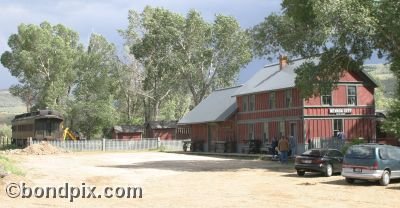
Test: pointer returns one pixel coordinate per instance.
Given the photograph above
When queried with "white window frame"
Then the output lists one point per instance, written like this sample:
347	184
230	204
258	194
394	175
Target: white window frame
272	100
245	103
252	102
282	128
265	132
348	96
288	98
326	95
333	126
250	131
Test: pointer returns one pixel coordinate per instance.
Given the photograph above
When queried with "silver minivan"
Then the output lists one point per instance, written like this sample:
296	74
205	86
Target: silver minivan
372	162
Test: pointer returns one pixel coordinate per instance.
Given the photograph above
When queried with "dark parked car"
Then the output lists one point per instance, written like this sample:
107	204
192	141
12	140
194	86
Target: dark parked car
373	162
327	161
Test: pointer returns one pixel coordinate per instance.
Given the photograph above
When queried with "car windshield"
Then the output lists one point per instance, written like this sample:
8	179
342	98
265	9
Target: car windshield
361	152
314	153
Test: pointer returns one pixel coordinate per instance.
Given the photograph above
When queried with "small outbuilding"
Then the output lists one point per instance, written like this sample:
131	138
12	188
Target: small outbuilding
131	132
165	130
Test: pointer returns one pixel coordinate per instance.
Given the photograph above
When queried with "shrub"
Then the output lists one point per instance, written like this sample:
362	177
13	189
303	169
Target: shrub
9	166
5	130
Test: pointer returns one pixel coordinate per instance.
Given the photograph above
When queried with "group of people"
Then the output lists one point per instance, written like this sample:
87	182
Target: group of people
284	147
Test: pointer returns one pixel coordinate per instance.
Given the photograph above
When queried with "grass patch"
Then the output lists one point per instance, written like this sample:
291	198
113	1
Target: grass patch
8	147
9	166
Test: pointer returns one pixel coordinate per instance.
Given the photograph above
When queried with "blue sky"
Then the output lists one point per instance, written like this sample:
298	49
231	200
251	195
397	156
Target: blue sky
106	16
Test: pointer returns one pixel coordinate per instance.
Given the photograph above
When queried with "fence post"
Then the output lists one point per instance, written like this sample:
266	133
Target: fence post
29	141
158	142
104	145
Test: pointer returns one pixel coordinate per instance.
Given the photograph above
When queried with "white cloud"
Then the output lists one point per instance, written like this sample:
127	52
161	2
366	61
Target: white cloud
106	16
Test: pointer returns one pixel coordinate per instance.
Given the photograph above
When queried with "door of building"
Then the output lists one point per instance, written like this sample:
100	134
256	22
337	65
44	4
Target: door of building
212	136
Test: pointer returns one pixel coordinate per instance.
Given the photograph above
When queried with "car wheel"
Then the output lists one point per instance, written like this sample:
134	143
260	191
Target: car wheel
328	170
350	180
385	180
301	172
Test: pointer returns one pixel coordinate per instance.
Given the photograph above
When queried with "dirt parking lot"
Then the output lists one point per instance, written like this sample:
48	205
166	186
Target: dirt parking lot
177	180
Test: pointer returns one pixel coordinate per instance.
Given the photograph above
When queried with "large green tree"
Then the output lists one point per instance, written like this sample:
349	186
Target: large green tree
185	52
210	56
342	33
92	109
43	58
129	76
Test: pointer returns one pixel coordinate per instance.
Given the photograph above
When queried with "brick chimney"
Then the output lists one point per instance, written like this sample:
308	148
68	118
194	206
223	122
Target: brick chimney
283	61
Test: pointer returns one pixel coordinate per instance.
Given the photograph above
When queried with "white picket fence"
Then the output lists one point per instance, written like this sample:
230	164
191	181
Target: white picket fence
118	145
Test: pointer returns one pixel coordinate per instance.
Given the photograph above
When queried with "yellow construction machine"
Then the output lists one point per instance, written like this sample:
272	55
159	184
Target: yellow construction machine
69	134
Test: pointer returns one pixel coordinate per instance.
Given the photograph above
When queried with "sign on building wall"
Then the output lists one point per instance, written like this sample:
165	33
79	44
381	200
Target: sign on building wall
340	111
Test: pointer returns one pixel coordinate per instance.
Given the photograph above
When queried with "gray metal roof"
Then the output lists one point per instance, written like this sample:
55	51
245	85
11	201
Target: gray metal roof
127	129
218	106
162	124
272	78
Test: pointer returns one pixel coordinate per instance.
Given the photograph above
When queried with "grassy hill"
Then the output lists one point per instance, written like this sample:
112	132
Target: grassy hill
388	84
9	107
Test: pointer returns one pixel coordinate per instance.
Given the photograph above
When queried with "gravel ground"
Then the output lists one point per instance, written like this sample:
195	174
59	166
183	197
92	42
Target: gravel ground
177	180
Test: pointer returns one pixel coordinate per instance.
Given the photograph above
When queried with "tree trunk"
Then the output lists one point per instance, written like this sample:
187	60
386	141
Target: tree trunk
156	109
129	108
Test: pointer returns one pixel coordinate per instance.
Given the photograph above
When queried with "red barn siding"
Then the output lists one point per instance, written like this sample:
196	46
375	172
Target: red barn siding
163	134
353	128
313	101
199	132
365	95
339	95
129	136
350	77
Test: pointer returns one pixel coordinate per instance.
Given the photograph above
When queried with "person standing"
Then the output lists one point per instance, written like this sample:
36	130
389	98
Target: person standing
283	147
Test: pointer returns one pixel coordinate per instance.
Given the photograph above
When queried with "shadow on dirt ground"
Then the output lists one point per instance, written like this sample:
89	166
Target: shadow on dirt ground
307	175
208	165
342	182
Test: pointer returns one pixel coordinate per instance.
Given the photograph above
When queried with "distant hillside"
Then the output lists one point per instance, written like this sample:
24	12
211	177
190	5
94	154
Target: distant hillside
10	106
387	84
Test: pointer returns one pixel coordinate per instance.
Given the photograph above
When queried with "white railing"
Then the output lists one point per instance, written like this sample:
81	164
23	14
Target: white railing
118	145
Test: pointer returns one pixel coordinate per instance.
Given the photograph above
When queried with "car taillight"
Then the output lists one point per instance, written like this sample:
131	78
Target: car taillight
374	166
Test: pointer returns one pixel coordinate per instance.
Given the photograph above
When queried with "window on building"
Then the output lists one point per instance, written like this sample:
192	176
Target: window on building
265	134
250	128
282	128
337	126
252	104
326	99
245	103
288	98
352	95
272	100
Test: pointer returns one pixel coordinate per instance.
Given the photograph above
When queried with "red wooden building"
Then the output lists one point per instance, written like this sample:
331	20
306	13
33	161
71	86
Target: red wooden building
213	120
165	130
269	105
131	132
